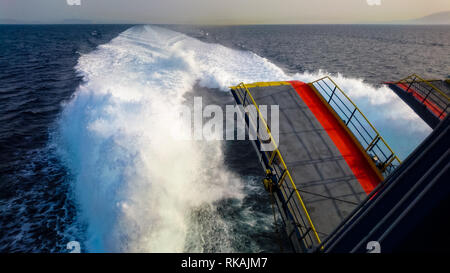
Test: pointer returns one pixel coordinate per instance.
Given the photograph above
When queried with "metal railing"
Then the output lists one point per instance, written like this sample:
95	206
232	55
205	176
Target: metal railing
370	139
428	94
292	202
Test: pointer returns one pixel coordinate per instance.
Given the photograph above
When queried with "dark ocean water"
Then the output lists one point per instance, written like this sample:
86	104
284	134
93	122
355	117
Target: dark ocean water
37	74
39	211
376	53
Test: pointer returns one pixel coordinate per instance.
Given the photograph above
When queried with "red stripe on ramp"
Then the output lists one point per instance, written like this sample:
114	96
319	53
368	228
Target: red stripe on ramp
431	106
352	152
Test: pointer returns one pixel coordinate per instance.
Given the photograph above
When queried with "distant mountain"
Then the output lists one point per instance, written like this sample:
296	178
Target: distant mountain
75	21
440	18
64	21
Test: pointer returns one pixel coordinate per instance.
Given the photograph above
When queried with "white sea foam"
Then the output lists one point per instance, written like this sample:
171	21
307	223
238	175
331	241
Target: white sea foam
135	185
392	117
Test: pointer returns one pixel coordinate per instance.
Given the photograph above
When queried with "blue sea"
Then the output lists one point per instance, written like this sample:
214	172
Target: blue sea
85	112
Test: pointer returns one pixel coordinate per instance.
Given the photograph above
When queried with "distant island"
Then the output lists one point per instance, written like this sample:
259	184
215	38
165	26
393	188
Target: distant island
440	18
24	22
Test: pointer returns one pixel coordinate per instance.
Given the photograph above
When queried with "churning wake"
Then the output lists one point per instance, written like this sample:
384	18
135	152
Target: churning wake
394	119
139	189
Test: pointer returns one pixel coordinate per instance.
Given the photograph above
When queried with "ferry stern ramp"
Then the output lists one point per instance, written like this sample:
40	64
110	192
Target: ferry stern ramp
328	158
429	98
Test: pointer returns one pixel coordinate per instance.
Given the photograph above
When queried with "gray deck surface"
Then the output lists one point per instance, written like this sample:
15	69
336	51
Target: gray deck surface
316	165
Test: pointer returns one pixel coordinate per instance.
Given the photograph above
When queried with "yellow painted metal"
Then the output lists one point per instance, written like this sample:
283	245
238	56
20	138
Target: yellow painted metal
417	78
360	112
263	84
371	143
272	157
282	178
387	164
294	187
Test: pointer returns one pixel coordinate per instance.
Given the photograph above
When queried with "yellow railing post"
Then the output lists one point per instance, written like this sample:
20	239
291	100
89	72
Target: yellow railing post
272	157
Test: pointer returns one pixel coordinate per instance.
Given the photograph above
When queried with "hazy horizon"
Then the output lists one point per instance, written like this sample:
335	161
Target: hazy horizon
210	12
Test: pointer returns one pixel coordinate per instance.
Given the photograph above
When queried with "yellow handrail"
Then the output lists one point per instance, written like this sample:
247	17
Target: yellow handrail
283	163
425	81
368	122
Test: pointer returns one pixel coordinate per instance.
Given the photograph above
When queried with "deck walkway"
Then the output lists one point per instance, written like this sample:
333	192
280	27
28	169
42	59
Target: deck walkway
324	161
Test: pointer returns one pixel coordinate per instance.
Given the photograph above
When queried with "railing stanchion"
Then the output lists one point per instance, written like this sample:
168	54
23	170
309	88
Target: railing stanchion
424	99
351	116
332	93
409	86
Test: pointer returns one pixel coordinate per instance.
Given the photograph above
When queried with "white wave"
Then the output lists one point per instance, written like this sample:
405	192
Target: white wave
402	128
137	186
